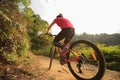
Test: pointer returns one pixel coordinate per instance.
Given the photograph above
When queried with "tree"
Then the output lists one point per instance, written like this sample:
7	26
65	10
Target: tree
108	39
14	41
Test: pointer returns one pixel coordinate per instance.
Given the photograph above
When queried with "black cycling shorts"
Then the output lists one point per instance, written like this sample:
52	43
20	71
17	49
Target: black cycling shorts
66	34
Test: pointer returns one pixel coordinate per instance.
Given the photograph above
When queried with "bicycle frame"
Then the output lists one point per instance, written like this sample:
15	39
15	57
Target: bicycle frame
75	53
64	54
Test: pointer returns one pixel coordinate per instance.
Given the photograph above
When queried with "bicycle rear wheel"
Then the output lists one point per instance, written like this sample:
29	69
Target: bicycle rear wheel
90	64
52	54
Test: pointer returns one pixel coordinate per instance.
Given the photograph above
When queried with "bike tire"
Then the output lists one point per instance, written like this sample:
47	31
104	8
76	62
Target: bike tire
101	70
52	54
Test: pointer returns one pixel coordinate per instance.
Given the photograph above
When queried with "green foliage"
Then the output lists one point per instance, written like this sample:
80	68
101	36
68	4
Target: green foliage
113	66
14	41
5	17
111	52
26	2
38	27
108	39
28	12
112	56
41	44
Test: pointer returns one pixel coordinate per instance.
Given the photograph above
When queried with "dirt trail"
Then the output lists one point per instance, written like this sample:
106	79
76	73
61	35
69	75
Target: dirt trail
59	72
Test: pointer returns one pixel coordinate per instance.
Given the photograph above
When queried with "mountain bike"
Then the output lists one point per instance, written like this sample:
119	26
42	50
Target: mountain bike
84	59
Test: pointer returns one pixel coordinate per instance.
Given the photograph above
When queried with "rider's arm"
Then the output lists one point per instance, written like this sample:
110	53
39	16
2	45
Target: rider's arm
50	26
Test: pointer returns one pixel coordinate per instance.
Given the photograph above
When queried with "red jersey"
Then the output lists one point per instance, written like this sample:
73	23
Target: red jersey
63	23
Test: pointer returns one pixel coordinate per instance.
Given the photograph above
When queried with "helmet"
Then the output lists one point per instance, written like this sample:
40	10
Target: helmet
60	15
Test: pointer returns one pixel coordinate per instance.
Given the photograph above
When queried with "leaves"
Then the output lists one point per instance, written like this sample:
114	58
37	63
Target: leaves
112	55
26	2
14	40
5	17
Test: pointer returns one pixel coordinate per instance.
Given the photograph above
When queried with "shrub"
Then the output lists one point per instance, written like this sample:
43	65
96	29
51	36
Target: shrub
113	66
112	56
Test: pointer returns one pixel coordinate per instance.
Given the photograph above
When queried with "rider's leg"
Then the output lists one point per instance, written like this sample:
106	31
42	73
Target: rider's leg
66	33
69	36
58	38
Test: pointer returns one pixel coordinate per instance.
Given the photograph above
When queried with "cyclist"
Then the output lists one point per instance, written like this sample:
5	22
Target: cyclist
66	33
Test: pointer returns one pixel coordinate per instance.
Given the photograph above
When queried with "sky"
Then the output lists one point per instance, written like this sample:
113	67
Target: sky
90	16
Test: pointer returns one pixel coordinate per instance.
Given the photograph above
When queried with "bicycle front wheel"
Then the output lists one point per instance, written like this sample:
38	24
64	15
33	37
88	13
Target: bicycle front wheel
90	63
52	54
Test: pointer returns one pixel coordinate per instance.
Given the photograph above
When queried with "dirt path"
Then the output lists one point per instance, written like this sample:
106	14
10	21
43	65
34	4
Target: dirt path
59	72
